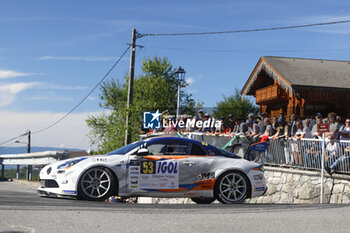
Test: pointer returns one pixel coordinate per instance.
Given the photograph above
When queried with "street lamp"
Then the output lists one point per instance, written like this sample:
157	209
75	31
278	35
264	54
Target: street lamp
30	167
180	76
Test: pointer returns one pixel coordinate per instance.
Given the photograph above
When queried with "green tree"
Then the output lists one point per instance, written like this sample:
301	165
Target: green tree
236	105
154	89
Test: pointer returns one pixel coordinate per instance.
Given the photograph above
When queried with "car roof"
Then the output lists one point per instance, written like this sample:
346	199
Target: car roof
154	139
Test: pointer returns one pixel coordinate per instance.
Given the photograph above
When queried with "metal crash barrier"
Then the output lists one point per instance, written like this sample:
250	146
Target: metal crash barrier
30	159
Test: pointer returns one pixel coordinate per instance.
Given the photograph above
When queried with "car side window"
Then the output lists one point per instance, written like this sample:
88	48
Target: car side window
197	150
157	149
169	147
178	149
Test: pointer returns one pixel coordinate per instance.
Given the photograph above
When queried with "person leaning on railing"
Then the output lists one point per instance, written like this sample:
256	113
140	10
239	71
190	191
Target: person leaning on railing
253	130
261	123
224	130
314	154
302	132
332	154
293	125
231	123
282	129
341	160
345	133
333	160
319	120
333	126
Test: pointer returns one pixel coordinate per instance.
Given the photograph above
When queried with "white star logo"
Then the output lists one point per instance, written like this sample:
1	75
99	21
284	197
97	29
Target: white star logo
155	115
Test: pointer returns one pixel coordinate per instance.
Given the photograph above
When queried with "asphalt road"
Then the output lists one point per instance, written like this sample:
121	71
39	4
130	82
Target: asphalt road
22	211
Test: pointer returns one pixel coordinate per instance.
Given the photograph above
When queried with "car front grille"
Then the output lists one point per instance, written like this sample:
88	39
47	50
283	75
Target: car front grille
49	184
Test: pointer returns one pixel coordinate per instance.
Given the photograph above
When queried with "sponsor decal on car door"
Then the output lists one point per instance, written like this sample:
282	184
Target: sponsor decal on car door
153	174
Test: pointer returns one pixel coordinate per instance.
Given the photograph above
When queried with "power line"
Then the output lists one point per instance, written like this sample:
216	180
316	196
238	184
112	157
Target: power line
93	89
245	30
12	139
246	51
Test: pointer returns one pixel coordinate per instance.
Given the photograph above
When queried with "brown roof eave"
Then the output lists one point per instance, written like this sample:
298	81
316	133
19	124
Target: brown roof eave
250	77
283	82
318	87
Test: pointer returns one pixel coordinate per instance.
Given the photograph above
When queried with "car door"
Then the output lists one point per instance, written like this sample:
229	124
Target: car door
168	169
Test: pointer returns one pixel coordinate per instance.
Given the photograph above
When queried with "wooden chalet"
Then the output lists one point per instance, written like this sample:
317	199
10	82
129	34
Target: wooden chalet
302	86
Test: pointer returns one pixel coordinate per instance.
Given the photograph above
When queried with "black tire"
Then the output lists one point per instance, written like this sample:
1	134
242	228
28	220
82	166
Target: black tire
96	184
232	187
203	200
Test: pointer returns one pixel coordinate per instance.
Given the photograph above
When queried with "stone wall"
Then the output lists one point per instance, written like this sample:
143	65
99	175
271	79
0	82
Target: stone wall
299	186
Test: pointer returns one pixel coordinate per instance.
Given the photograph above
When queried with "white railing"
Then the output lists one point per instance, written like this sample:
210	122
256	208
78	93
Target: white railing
307	153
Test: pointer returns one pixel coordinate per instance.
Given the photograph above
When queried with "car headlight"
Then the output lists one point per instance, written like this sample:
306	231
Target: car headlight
260	168
48	171
70	163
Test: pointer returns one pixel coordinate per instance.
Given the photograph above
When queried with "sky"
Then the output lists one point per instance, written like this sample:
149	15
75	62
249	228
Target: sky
52	53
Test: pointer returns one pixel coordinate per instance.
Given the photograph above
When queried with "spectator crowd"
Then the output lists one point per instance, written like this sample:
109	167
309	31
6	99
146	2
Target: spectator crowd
261	127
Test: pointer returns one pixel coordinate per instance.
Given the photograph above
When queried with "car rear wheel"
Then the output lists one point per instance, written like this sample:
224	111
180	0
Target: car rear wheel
203	200
96	184
231	187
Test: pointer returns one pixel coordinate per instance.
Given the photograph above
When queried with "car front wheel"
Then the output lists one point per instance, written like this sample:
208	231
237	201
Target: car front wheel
231	187
96	184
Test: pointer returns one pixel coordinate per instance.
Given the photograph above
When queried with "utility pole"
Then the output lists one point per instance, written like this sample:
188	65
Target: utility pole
30	167
130	86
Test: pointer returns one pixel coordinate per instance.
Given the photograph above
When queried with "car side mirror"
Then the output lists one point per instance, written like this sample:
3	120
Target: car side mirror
142	152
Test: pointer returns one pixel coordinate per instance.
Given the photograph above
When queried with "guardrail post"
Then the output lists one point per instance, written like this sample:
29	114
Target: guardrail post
17	172
29	172
2	170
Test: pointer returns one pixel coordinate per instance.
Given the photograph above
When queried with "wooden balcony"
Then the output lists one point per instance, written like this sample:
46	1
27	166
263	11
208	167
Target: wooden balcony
270	94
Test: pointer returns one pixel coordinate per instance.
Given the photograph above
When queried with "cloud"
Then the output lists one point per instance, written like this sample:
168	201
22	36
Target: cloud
193	79
190	80
15	88
6	74
9	92
78	58
92	98
71	132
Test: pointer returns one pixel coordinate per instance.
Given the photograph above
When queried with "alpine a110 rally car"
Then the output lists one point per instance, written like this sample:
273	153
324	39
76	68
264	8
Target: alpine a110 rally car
157	167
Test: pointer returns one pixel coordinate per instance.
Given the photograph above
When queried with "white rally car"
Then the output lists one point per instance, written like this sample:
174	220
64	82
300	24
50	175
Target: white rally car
157	167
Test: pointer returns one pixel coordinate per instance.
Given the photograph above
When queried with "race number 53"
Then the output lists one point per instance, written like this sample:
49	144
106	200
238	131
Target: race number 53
148	167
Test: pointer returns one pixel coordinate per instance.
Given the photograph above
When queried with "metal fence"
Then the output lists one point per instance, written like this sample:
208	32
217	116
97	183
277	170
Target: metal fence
307	153
303	153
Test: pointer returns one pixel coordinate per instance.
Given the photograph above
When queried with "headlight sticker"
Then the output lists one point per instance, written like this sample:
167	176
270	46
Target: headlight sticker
70	163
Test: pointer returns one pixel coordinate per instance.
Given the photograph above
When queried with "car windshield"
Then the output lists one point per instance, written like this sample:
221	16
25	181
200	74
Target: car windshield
126	149
228	154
